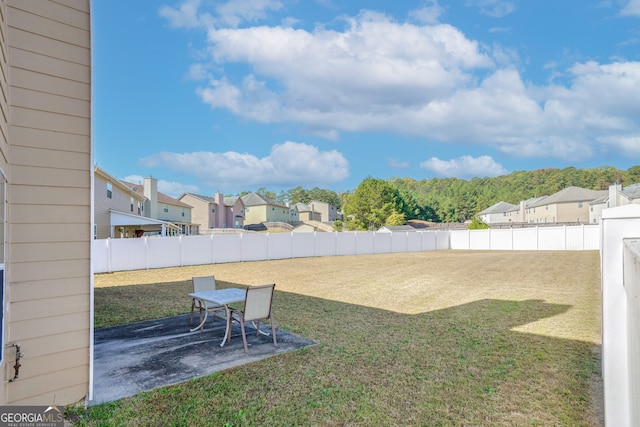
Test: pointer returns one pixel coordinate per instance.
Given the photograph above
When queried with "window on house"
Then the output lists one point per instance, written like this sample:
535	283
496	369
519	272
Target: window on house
580	204
132	204
182	213
213	209
109	190
166	209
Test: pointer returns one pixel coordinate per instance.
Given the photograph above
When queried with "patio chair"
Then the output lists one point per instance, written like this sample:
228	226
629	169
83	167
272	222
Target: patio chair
204	283
257	307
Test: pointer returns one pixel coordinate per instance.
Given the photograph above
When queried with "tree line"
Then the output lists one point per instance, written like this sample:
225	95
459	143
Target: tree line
376	202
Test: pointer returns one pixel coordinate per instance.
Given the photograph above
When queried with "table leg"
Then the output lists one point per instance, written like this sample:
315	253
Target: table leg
227	329
206	312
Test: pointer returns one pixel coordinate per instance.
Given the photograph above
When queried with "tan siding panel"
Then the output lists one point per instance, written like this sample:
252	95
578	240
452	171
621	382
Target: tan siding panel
46	28
59	361
41	176
52	103
50	121
51	84
75	16
45	159
56	387
59	343
47	47
48	326
37	138
49	270
27	214
27	194
49	288
41	252
34	233
21	59
82	5
49	307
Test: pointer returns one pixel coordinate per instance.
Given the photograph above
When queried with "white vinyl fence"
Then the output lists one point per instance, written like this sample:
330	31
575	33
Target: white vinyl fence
620	255
157	252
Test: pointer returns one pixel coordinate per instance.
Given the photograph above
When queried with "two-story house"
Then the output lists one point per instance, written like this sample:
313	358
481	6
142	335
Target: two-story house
569	205
327	211
259	209
617	196
159	206
126	210
215	212
497	214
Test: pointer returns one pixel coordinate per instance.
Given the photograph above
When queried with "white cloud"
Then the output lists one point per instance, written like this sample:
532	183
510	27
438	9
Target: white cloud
426	81
172	189
465	167
397	164
429	13
288	164
232	13
632	8
494	8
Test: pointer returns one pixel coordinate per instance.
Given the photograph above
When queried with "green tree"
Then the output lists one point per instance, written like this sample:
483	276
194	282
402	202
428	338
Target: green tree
477	224
396	219
371	204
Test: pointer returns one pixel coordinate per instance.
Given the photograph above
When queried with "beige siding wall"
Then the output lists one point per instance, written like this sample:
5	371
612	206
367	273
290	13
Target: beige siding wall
173	213
121	199
201	213
48	148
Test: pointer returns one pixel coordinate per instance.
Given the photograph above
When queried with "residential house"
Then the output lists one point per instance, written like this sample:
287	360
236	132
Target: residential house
616	196
327	212
215	212
518	214
159	206
259	209
305	213
45	189
122	212
570	205
496	214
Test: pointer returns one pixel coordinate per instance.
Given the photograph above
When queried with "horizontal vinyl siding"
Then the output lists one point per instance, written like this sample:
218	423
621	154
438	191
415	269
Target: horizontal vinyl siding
49	54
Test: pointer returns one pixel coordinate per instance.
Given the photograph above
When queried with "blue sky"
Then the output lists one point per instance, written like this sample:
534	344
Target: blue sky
222	96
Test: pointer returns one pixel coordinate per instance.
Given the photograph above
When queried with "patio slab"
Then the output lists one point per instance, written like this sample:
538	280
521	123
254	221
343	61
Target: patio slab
142	356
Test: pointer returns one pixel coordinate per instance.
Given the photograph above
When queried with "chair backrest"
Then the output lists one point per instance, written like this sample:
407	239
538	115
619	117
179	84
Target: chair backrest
257	303
203	283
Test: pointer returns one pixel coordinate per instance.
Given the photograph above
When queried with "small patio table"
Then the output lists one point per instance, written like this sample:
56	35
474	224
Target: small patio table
219	297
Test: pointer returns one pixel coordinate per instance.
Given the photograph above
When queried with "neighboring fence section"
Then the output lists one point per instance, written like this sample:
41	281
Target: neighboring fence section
157	252
620	255
580	237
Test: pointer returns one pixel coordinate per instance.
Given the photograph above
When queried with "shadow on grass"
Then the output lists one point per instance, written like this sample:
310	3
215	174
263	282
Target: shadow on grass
462	365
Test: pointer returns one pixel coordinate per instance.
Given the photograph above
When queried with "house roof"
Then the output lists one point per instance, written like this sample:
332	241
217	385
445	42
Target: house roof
301	207
255	199
206	199
631	192
571	194
115	181
162	198
499	207
527	203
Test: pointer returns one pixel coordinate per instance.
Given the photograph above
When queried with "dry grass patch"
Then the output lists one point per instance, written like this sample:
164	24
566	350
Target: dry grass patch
431	338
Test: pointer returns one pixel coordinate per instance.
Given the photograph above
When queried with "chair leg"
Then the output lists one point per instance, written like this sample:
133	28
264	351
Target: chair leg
244	334
193	303
273	329
257	328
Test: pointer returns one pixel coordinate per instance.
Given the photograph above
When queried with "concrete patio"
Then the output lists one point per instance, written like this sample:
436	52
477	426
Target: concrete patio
142	356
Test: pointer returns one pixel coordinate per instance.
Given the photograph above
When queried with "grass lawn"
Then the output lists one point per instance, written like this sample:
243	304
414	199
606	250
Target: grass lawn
443	338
